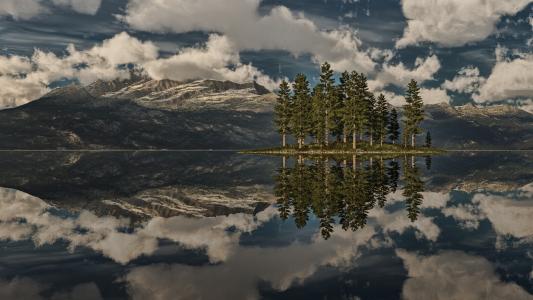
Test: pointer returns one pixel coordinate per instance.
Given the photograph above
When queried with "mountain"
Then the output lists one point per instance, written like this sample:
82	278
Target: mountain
142	113
470	127
187	96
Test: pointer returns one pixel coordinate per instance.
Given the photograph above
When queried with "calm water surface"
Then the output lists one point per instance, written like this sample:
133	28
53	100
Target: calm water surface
150	225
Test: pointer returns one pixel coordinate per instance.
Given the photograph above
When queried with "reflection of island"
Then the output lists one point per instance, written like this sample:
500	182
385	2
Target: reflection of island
344	192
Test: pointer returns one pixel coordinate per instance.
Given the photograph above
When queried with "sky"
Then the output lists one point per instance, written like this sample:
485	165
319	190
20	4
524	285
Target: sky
460	51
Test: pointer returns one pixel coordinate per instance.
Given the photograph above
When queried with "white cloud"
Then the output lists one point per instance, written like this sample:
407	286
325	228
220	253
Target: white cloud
27	288
211	62
20	288
509	79
241	22
429	96
400	75
467	80
454	22
467	214
123	49
507	215
455	275
13	65
104	234
434	96
26	79
239	275
27	9
21	9
89	7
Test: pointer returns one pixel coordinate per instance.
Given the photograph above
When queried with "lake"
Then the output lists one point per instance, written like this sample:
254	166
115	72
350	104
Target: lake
221	225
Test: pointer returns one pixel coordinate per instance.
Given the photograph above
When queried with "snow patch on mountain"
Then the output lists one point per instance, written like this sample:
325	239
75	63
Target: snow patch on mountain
187	96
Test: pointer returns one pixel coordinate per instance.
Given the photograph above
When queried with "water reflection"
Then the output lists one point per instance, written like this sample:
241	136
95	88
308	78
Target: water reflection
342	191
260	228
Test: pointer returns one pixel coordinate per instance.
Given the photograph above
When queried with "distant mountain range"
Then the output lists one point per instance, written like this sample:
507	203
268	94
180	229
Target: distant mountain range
470	127
142	113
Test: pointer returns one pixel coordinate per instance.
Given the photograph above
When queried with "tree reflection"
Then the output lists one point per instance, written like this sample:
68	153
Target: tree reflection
344	191
412	189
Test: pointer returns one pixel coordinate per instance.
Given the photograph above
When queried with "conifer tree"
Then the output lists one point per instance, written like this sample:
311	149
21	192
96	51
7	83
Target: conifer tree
350	112
371	117
300	109
343	95
317	127
282	191
382	118
327	83
362	95
282	111
413	110
393	128
412	190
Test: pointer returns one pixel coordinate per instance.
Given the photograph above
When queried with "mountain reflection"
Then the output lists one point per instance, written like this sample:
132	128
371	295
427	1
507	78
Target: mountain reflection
344	191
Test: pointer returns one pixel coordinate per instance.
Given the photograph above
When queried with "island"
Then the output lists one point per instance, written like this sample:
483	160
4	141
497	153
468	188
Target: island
345	118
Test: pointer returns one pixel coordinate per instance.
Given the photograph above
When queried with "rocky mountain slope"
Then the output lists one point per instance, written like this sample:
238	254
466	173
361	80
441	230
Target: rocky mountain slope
142	114
470	127
187	96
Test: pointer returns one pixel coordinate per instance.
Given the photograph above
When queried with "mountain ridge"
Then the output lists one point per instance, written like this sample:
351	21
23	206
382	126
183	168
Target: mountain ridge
141	113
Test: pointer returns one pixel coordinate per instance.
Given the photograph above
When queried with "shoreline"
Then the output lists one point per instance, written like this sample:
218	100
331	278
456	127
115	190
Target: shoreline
293	152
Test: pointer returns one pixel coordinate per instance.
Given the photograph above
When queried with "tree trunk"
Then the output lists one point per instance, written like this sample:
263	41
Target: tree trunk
354	163
284	140
354	141
284	162
371	139
326	129
381	140
413	140
299	143
345	135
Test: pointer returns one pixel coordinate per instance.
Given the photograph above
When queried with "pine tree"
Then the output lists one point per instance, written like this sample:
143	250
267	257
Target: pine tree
362	95
412	190
349	116
413	110
300	109
282	191
428	140
318	111
327	83
282	110
343	95
382	118
371	117
393	128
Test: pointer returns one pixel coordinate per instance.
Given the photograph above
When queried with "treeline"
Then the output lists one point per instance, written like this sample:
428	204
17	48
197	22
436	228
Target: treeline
344	193
346	111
